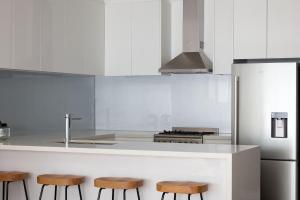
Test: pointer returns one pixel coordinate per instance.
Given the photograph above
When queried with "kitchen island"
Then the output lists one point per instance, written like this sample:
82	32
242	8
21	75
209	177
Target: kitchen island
231	171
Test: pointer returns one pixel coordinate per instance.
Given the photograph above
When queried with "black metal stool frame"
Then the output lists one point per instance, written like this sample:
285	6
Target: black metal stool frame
5	189
113	193
189	196
55	192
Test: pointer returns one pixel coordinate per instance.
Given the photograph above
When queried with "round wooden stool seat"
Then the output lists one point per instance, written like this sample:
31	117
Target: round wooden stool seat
118	183
60	180
11	176
184	187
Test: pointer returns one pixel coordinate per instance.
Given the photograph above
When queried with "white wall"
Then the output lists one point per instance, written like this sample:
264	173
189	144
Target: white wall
159	102
32	101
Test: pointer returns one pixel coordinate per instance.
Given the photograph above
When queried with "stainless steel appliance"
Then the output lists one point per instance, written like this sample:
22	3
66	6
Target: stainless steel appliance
265	113
4	131
184	135
193	59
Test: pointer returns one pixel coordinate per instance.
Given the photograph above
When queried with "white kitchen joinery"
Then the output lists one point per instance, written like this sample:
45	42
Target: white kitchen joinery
250	29
283	29
5	36
132	37
51	35
127	37
266	29
93	37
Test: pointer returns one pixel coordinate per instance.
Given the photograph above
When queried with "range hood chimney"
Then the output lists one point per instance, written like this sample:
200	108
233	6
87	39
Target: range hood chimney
192	60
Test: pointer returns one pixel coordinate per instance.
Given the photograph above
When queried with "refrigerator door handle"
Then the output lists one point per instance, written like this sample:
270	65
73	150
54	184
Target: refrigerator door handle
235	112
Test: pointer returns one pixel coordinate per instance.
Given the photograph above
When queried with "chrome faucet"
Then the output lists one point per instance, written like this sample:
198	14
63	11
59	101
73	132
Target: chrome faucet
69	118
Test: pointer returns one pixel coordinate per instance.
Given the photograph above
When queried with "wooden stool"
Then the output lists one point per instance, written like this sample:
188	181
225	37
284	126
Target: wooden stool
181	187
118	183
60	180
8	177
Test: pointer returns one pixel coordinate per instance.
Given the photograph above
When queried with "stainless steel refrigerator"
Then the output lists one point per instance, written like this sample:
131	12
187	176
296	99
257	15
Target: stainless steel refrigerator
265	113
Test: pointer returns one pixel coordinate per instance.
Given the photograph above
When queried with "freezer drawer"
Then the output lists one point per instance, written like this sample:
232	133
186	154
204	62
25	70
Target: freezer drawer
278	180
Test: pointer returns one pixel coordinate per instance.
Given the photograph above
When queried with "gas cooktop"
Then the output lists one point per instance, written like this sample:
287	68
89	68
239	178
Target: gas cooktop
184	135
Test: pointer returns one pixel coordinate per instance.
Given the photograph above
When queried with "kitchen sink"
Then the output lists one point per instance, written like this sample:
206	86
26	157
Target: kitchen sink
109	139
89	142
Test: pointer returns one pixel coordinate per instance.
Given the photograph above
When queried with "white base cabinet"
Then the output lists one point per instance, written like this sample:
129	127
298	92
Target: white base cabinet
229	176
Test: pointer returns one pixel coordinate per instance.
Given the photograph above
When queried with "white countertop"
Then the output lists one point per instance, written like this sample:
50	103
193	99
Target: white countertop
129	143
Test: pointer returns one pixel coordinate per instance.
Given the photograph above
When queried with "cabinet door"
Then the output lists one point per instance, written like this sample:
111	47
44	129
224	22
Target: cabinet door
5	33
283	29
118	39
171	33
146	37
52	36
223	57
250	29
26	40
93	37
74	51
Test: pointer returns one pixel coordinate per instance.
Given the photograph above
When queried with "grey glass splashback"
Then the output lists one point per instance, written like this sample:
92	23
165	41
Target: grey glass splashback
31	101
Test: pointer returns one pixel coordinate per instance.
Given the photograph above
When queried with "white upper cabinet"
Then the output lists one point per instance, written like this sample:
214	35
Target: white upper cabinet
146	38
93	37
266	29
52	36
132	37
64	36
250	29
283	29
118	39
5	33
72	36
172	29
223	44
106	37
26	34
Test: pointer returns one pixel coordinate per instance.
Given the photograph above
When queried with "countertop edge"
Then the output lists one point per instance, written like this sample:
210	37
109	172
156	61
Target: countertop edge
121	152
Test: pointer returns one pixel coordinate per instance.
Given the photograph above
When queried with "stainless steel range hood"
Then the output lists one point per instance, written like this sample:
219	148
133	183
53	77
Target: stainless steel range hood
192	60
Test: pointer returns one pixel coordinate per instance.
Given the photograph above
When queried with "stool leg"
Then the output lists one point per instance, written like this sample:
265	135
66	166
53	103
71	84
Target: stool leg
112	194
79	190
66	192
201	197
99	193
55	192
163	195
124	194
7	184
3	190
41	193
174	196
138	193
25	189
189	197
